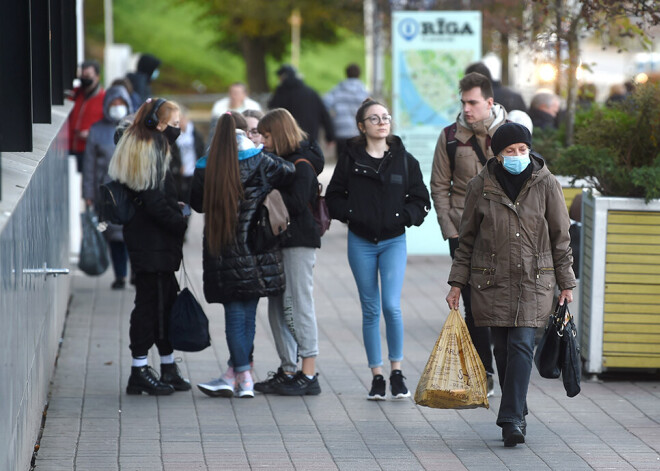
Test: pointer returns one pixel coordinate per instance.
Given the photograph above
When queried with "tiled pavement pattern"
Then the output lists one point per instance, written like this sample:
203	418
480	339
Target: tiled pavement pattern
93	425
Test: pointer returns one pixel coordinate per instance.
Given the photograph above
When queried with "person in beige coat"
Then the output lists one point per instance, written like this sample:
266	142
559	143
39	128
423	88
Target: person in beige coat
455	162
514	249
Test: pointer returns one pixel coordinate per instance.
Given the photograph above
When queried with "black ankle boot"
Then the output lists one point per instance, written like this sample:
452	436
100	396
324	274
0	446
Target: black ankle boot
145	379
170	374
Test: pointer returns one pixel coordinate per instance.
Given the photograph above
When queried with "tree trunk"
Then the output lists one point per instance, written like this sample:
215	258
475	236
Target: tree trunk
558	20
254	54
573	62
504	44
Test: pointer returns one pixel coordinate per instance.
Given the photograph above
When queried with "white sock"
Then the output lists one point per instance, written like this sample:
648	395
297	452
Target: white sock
310	377
167	359
139	362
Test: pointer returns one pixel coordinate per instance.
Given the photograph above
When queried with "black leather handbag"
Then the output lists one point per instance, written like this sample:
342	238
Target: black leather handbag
558	352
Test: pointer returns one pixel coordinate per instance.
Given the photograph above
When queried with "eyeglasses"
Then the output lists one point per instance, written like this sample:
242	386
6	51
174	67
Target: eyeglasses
253	132
375	119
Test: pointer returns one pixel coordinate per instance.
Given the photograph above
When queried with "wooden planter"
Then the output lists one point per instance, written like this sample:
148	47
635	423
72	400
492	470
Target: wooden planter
620	283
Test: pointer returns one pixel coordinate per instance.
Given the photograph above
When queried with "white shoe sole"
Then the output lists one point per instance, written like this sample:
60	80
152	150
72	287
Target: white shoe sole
215	392
248	394
401	395
376	397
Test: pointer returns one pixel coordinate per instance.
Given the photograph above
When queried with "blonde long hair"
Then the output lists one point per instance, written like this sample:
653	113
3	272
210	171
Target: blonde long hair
142	156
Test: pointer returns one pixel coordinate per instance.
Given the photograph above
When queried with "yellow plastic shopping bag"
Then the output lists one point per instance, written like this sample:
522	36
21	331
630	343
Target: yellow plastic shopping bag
454	376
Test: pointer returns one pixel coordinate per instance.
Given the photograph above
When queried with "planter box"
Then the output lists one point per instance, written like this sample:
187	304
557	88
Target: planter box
620	283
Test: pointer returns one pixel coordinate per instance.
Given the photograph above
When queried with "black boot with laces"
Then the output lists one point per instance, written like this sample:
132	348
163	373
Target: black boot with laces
170	374
145	379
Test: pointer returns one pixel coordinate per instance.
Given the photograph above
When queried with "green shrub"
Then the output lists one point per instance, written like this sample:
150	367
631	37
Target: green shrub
617	149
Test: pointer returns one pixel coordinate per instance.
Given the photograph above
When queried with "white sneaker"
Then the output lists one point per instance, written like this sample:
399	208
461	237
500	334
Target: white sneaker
217	388
244	384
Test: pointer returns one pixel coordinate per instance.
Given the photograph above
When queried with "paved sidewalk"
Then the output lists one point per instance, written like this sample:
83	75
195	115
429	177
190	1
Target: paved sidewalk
93	425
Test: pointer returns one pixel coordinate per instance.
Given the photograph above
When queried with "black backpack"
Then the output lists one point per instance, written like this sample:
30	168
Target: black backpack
117	203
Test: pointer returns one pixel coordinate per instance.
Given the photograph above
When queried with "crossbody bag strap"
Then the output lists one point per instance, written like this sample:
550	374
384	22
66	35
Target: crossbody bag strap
477	148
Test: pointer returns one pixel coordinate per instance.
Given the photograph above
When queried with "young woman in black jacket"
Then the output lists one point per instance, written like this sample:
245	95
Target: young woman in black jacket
378	189
228	188
291	315
154	238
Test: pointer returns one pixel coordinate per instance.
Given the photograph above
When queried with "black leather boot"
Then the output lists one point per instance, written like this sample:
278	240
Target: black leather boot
170	374
145	379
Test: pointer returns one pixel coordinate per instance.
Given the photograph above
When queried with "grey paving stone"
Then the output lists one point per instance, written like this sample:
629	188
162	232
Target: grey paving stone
93	424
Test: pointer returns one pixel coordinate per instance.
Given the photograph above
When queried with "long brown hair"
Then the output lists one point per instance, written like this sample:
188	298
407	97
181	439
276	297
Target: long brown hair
283	129
223	189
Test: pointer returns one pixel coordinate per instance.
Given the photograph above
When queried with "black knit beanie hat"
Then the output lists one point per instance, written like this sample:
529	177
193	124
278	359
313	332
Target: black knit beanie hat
507	134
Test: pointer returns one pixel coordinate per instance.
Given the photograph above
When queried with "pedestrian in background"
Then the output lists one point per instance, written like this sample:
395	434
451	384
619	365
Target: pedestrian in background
188	150
343	102
154	238
505	96
147	71
87	108
291	315
304	104
544	109
237	101
460	153
514	248
228	188
96	159
378	189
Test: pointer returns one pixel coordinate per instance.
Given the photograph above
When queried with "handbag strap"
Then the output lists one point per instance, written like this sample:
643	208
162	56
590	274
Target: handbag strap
184	279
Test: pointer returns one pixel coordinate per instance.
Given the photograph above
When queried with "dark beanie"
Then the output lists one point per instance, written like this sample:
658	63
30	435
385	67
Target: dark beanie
507	134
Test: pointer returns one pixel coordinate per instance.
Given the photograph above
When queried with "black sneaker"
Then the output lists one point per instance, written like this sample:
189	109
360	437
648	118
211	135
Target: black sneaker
397	386
512	435
490	385
300	385
268	386
377	392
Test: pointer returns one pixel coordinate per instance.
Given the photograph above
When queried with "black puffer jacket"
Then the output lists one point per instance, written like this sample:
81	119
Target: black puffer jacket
154	236
378	204
239	274
301	194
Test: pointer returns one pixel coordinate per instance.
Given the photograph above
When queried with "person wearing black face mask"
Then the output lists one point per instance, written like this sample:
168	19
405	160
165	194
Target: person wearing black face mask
87	110
154	238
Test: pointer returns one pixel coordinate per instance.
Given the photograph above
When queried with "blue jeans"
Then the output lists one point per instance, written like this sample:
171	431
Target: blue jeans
514	355
367	260
239	330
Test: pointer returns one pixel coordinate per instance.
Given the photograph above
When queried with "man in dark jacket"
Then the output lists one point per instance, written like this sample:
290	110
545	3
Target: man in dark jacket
303	103
147	71
544	110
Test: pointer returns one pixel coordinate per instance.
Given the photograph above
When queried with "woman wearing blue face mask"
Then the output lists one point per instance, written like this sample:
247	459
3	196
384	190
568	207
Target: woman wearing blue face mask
514	249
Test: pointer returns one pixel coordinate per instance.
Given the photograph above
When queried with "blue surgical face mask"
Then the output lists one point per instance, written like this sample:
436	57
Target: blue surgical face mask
516	164
155	74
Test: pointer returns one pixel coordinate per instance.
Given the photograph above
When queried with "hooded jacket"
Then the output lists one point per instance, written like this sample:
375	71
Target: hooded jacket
98	153
240	274
304	104
447	189
378	204
141	78
512	253
343	102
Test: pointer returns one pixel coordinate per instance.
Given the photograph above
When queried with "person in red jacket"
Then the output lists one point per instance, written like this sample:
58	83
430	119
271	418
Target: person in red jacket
87	110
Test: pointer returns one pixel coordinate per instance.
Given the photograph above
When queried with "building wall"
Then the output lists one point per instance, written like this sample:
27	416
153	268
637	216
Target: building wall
34	232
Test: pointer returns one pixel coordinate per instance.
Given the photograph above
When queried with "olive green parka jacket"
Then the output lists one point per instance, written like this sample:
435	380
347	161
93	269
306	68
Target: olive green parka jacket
513	253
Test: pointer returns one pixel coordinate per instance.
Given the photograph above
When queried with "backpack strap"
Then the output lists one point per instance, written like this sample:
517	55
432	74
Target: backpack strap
450	145
477	149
